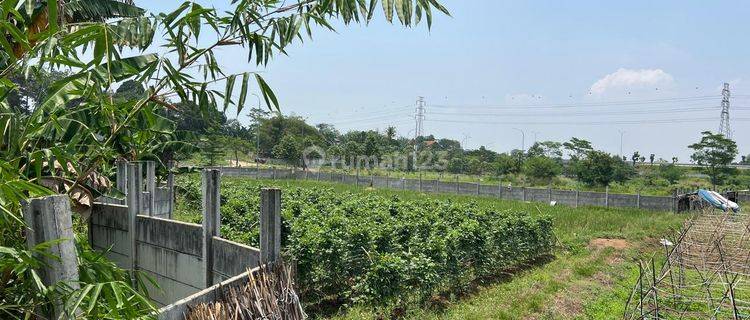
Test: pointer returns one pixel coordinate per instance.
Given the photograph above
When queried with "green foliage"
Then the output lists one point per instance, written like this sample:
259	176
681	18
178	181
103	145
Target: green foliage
599	168
671	172
715	152
542	168
289	150
377	250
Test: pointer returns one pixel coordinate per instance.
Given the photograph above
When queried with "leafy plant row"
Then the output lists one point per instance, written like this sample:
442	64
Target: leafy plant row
360	247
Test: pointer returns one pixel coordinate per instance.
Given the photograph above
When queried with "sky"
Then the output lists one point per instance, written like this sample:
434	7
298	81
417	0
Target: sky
648	74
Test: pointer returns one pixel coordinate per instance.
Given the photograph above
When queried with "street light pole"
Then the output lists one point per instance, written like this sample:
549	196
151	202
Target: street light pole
621	134
523	139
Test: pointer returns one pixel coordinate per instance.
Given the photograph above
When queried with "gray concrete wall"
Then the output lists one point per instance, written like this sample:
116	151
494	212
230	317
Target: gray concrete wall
586	198
564	197
623	200
168	251
231	258
108	232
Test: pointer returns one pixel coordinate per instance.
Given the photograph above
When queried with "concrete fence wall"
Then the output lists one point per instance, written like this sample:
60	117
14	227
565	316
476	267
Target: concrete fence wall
182	258
571	198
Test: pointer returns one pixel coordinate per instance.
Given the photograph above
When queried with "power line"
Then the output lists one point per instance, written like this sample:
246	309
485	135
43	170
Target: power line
643	121
586	104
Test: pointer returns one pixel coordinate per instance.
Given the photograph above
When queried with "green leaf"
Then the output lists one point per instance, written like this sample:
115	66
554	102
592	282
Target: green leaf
228	92
243	92
52	16
268	94
388	10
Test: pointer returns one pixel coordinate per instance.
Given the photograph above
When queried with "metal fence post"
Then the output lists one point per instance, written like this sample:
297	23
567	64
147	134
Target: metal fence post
49	219
211	196
270	225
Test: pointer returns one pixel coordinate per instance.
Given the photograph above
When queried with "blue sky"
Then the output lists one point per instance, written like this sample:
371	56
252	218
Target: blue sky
554	69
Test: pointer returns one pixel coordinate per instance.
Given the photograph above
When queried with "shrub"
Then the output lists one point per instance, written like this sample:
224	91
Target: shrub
366	248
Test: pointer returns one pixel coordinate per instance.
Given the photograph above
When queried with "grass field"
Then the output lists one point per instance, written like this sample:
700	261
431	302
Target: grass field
590	276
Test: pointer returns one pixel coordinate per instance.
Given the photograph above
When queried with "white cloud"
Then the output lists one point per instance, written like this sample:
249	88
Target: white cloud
631	79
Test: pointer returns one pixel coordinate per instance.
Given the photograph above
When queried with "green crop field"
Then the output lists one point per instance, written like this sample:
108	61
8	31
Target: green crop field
366	253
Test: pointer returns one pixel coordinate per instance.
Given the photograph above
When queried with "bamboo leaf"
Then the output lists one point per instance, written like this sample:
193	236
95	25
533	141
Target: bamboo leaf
228	92
243	92
268	94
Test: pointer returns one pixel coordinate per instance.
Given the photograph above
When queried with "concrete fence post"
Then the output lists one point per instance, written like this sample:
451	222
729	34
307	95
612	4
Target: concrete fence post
606	197
478	188
49	219
372	180
549	194
638	200
420	181
523	190
270	225
674	201
387	183
122	176
317	176
273	173
306	173
500	189
458	190
151	186
577	193
211	199
356	177
170	188
133	202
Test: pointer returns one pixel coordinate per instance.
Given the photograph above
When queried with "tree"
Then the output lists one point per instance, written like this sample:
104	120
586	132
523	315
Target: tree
212	149
577	147
670	172
715	153
601	168
674	159
651	158
288	149
548	149
506	164
541	168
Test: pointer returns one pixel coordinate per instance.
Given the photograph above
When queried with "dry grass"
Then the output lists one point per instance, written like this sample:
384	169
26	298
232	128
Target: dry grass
268	294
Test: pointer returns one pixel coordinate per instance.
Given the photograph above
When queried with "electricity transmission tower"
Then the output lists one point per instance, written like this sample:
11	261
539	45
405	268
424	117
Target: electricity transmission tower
419	118
724	127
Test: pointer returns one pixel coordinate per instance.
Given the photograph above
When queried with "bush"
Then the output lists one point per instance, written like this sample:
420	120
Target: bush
671	172
377	250
541	168
600	169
